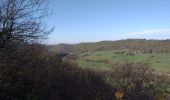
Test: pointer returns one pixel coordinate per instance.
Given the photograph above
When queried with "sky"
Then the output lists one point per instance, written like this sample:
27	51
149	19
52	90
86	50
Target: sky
78	21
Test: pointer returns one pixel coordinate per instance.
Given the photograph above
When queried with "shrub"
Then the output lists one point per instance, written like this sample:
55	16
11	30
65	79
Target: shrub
138	81
41	75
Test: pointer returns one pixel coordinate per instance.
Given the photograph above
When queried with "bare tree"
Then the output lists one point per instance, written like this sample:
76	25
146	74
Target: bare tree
21	21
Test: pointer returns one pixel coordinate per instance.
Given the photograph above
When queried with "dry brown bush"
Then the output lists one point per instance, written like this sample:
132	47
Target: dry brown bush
41	75
138	81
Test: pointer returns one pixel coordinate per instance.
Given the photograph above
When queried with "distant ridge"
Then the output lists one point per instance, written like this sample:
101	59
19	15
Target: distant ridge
158	46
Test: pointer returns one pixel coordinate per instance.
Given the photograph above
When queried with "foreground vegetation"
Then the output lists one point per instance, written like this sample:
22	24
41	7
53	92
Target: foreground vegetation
41	75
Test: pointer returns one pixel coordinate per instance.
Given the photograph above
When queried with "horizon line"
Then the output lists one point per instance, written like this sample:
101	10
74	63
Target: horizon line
69	43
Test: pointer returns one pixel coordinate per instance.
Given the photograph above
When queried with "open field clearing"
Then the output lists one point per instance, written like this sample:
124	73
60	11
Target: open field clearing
104	59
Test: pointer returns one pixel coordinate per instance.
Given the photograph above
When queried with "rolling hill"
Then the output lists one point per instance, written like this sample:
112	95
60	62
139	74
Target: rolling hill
141	45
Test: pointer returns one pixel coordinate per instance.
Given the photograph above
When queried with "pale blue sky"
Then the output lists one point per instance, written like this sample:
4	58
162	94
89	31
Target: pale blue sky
96	20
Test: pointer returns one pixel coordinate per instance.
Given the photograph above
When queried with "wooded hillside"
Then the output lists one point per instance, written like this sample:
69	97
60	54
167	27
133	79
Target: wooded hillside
141	45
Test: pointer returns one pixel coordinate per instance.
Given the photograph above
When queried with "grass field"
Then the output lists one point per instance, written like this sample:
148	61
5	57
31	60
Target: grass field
104	59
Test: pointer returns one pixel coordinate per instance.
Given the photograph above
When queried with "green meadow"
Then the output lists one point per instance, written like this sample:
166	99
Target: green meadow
104	59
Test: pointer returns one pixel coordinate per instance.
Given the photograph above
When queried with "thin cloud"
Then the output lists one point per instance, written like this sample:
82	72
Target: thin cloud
150	34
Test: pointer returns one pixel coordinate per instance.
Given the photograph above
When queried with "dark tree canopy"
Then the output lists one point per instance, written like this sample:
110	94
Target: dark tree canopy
21	21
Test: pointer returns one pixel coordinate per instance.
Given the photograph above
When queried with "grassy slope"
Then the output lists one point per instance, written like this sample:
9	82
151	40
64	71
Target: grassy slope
101	59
